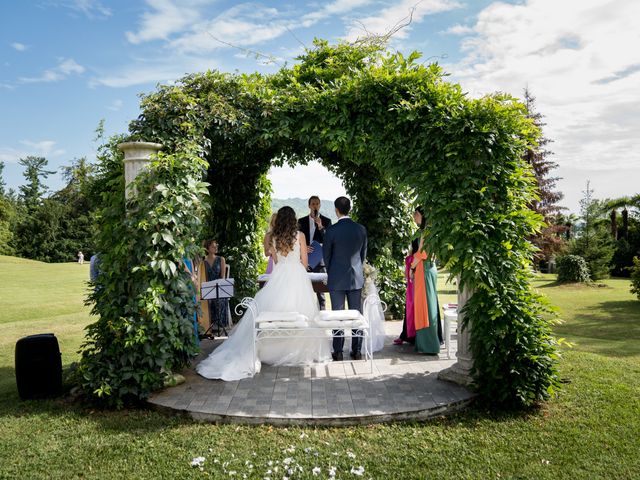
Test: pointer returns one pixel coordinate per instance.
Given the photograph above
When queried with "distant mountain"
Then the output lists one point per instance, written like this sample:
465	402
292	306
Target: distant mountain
301	207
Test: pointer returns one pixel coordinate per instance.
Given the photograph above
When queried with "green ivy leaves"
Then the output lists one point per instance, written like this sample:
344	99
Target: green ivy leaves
397	133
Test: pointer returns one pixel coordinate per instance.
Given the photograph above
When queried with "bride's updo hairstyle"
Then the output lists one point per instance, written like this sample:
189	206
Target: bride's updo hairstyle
286	230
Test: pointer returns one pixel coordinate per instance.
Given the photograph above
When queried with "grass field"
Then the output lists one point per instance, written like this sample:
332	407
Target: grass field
590	430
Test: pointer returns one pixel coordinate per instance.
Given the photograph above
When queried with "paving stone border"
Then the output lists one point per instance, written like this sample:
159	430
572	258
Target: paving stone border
403	386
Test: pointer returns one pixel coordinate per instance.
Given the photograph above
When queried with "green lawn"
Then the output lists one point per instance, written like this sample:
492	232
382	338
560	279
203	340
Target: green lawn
591	430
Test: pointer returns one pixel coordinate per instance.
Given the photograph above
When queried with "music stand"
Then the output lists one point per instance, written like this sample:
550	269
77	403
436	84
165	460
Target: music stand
217	290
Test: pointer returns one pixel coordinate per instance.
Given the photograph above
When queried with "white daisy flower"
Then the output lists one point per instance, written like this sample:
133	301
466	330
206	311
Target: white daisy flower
358	471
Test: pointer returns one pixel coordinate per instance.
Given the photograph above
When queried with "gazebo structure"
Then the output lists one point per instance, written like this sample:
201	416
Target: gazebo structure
397	134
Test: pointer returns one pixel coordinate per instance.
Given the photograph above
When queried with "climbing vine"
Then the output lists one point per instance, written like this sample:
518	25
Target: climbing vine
143	296
398	134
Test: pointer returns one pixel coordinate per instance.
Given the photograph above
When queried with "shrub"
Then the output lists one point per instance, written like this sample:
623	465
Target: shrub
573	268
635	277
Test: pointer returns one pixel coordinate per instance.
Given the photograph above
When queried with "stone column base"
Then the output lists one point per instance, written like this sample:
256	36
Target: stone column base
456	374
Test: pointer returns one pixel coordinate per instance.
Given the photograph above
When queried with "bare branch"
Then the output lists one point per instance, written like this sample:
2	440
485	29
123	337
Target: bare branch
247	51
297	39
384	38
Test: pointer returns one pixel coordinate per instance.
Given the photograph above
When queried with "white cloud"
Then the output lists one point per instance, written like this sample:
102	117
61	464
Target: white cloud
11	155
386	19
45	148
21	47
42	147
65	68
186	29
166	70
458	30
576	58
165	18
337	7
116	105
242	25
69	66
92	9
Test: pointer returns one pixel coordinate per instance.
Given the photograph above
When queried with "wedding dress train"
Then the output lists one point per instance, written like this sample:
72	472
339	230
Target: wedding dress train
288	290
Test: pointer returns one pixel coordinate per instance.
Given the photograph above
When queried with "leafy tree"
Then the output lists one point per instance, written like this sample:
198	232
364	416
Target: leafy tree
56	228
594	242
635	277
38	233
35	173
8	219
79	198
549	239
625	231
2	182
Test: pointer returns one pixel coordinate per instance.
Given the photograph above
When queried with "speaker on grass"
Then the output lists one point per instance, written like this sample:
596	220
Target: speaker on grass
38	366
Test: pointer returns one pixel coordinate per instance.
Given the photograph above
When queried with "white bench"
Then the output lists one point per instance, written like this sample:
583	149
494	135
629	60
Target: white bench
294	324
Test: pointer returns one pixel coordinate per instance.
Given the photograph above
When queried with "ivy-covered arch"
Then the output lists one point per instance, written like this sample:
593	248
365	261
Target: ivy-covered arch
393	130
244	134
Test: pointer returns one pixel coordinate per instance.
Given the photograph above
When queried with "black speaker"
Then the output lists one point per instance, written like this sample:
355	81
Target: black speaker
38	366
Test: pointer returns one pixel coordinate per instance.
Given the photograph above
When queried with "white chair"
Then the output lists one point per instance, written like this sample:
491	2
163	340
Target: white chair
450	315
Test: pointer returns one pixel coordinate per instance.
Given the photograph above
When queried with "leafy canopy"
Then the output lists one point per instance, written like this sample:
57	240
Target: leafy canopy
398	134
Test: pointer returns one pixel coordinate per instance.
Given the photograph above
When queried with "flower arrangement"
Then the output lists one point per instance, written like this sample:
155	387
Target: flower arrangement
370	277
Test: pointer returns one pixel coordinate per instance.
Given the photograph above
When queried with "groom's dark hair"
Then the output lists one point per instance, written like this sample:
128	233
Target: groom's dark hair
343	205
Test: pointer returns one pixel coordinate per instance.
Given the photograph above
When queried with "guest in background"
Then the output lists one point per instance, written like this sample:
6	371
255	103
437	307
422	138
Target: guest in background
426	311
80	258
212	267
188	266
94	267
408	325
267	243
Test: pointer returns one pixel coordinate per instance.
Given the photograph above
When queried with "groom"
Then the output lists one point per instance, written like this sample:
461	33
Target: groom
344	250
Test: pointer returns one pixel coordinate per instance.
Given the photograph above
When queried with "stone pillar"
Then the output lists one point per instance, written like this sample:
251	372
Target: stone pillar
460	372
136	157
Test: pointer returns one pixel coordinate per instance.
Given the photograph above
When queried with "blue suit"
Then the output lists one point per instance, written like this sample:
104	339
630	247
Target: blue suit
344	250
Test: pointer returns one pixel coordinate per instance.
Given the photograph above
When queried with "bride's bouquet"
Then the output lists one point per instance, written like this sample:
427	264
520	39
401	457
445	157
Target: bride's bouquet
370	277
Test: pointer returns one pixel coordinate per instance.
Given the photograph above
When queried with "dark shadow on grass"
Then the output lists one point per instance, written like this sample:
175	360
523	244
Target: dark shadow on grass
139	418
574	285
447	292
552	284
614	330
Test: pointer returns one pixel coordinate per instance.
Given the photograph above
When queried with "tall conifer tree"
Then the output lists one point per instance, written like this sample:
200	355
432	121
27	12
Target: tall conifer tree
549	240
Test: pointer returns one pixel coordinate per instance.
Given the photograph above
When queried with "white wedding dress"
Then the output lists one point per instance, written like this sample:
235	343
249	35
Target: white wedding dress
288	290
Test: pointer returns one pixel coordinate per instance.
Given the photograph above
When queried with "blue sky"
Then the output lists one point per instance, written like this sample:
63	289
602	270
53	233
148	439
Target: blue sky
67	64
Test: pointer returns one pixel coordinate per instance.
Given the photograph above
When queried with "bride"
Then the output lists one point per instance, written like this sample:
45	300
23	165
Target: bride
288	290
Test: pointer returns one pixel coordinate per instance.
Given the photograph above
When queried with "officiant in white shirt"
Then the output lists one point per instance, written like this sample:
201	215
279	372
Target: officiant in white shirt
313	226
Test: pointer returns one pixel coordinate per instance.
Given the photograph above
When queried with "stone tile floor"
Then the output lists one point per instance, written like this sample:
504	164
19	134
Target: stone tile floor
404	385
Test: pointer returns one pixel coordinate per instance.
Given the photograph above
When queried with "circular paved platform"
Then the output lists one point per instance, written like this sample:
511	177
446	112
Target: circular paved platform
404	385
